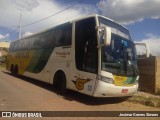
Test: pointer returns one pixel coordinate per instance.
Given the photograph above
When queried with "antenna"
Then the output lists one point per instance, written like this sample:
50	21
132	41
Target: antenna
20	25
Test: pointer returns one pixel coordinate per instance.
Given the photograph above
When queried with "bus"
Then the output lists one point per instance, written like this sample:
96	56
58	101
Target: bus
92	55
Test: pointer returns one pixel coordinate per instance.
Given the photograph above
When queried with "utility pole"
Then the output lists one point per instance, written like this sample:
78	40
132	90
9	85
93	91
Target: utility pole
20	25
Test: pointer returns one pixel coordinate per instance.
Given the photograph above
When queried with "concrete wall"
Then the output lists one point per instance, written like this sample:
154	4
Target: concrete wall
158	76
149	70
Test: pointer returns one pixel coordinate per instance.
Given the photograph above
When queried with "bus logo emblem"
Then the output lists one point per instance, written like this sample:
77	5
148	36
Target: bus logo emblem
80	83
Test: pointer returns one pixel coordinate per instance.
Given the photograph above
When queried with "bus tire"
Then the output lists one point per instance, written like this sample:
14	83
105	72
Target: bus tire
60	82
12	69
63	88
16	70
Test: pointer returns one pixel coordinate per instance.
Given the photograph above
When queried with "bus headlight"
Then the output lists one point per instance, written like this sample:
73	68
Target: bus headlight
107	80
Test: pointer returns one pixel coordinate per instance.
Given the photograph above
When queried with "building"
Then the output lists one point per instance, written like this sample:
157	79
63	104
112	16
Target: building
4	46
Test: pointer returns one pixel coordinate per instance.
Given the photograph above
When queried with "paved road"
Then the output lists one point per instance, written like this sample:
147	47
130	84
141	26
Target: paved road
25	94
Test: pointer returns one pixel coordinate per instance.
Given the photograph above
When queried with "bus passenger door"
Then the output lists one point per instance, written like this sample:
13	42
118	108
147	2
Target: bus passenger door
86	55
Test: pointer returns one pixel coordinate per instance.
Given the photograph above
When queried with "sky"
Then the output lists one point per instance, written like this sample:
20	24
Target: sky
141	17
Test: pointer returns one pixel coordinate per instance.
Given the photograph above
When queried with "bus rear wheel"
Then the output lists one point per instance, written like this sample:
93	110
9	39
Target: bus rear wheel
16	70
60	82
12	69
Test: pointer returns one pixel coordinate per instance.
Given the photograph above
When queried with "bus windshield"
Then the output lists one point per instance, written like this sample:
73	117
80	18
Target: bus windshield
120	57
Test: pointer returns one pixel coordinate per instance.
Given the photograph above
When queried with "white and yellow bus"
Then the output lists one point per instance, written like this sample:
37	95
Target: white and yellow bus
92	55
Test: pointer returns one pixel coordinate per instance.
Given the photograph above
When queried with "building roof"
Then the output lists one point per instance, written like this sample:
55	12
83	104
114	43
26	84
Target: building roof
4	44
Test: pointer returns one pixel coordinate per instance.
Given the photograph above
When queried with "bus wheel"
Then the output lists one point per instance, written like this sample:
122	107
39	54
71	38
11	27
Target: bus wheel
12	69
60	82
16	70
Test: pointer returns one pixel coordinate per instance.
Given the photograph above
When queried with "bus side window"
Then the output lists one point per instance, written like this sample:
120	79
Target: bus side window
86	53
63	35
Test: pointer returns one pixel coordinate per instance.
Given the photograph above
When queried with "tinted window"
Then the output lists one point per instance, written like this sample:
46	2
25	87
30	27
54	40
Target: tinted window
119	57
63	35
86	45
58	36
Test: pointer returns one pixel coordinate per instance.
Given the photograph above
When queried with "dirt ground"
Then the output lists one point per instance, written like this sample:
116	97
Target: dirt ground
25	94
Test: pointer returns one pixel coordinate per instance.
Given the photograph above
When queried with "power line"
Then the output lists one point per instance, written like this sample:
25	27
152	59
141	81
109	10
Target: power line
53	14
3	27
63	20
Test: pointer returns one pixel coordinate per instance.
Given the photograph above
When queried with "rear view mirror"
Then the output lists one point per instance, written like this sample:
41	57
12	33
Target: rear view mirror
143	50
107	36
104	35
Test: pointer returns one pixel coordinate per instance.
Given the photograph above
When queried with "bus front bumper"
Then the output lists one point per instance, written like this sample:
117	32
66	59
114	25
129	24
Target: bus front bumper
104	89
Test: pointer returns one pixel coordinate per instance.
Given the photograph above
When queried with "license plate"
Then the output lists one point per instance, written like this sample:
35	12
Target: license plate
124	91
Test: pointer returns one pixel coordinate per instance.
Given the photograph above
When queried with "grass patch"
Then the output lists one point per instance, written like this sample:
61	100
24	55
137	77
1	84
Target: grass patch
158	91
148	101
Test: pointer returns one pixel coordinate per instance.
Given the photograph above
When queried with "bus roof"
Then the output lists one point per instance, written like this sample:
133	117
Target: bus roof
71	21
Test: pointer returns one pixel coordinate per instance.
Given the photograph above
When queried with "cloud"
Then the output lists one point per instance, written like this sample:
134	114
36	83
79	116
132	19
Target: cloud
2	37
28	33
86	9
154	43
33	10
26	4
130	11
